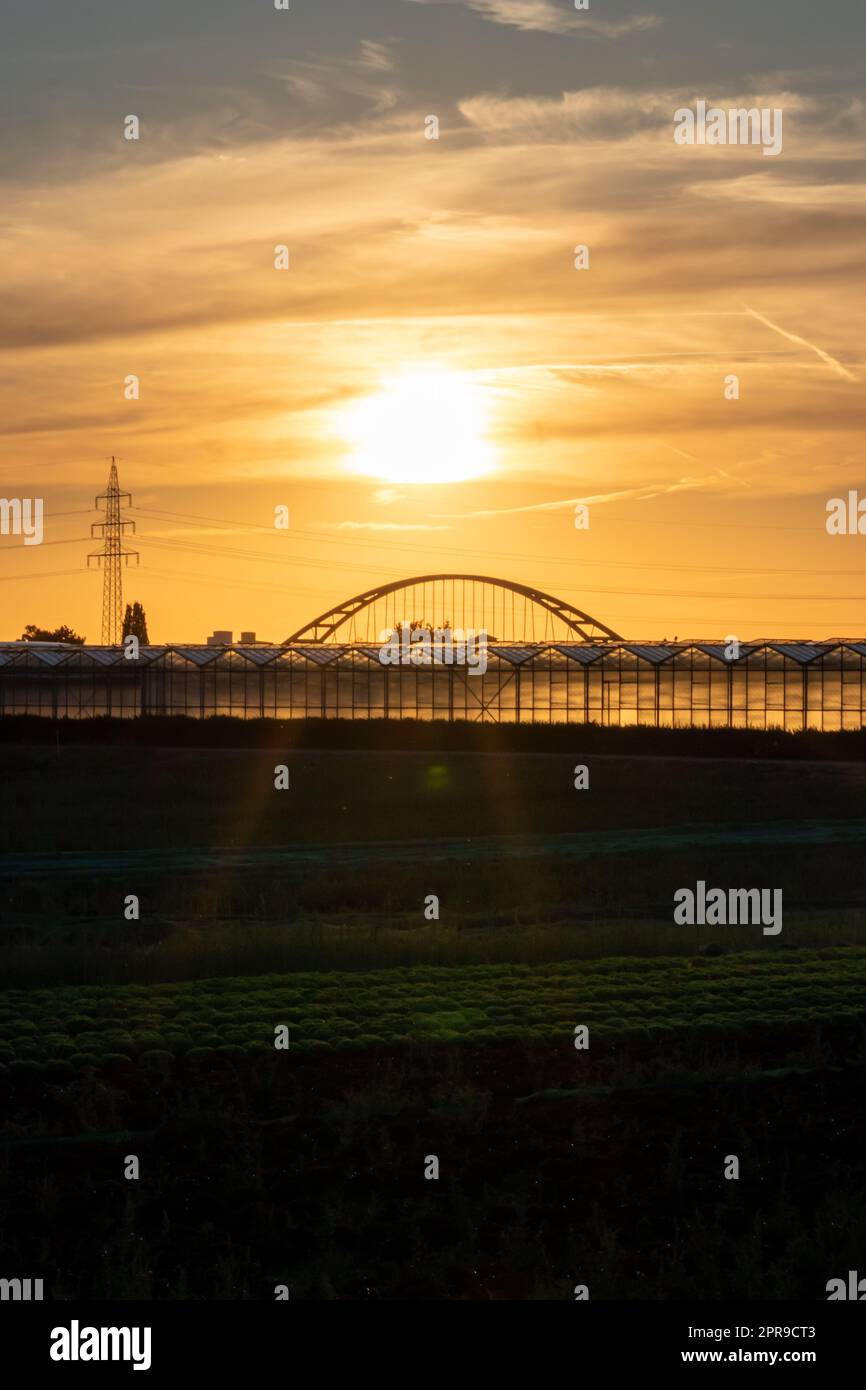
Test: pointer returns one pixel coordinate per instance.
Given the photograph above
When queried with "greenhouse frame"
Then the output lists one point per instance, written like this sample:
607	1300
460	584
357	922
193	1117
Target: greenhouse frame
791	685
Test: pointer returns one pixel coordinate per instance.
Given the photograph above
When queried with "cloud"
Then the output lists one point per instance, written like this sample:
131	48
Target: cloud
598	112
375	56
547	17
591	376
770	189
316	83
608	113
543	16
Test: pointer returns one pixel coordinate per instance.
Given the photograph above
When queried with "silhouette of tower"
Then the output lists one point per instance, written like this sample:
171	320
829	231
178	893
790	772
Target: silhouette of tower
112	555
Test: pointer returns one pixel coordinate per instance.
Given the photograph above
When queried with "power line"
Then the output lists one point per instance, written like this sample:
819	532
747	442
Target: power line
223	583
41	574
73	540
609	516
511	555
214	550
221	552
264	587
211	583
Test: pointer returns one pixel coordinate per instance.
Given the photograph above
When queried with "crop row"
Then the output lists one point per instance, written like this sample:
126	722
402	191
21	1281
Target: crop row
760	992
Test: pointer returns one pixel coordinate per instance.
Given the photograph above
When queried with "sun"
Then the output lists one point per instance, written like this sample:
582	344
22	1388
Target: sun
421	427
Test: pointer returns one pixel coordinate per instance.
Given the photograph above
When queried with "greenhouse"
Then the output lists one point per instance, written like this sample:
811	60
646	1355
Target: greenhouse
791	685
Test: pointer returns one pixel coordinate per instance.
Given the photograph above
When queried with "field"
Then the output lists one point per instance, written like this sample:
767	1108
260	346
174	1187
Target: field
231	1020
410	1037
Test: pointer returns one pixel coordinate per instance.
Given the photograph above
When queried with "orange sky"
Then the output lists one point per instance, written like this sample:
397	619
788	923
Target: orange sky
411	257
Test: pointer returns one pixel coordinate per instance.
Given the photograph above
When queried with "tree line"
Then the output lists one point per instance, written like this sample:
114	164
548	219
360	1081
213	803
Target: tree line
134	624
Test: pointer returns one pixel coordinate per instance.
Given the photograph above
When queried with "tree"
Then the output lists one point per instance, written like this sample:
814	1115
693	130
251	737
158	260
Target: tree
32	633
135	623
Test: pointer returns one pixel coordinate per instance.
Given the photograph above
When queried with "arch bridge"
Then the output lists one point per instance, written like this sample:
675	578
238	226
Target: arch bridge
506	611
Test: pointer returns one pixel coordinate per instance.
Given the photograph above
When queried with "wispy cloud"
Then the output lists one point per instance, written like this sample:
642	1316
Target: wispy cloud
608	113
548	17
315	82
376	56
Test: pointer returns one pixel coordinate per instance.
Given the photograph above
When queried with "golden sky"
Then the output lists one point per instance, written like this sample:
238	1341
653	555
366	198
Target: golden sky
431	324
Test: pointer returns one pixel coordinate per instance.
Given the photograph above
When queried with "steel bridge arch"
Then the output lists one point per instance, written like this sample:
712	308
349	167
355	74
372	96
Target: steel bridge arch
325	626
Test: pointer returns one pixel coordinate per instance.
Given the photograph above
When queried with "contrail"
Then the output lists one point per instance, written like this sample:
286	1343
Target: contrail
794	338
631	494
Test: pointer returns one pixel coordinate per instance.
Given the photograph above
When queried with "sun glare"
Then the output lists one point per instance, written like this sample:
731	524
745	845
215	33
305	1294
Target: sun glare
420	428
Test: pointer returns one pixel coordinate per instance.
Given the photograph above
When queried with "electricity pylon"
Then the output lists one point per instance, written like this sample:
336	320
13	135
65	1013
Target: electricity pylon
112	555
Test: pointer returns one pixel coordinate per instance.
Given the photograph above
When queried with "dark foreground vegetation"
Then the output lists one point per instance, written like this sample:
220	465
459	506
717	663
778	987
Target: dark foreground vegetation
410	1037
432	735
557	1168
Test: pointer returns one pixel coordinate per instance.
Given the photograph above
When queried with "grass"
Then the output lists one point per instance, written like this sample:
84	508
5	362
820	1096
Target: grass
236	878
103	799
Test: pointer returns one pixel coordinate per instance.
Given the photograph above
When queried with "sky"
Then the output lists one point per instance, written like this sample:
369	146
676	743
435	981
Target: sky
432	385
